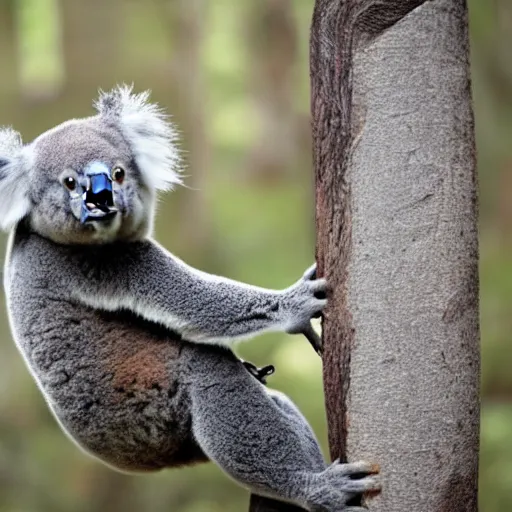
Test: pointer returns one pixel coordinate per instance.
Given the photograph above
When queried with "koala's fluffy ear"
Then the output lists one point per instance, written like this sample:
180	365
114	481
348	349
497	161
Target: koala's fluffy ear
14	185
146	129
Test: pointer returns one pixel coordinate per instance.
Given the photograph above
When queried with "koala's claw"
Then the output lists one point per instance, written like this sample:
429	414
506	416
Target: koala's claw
260	374
310	273
319	286
357	469
314	339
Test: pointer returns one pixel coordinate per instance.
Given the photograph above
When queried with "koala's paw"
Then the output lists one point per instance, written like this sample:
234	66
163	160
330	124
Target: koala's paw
303	301
339	484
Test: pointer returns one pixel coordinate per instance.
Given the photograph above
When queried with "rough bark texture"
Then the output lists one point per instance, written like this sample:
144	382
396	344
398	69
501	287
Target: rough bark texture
397	238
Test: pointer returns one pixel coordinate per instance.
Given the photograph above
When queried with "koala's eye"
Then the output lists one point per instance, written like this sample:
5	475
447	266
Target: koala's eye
70	183
118	174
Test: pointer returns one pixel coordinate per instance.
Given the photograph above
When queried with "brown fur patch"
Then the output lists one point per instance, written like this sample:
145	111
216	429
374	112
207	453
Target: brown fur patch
145	369
140	357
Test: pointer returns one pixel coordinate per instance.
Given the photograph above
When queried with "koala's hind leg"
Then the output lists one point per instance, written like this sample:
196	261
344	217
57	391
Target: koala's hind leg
290	410
260	439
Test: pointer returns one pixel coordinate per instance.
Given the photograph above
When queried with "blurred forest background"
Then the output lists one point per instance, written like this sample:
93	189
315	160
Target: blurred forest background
235	76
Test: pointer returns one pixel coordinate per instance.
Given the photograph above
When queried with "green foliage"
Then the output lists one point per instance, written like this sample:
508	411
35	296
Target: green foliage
40	61
496	458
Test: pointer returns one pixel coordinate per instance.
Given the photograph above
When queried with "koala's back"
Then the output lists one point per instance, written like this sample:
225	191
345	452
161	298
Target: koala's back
112	380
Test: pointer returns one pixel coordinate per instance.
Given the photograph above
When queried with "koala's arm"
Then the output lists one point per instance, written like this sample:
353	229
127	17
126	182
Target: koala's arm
151	282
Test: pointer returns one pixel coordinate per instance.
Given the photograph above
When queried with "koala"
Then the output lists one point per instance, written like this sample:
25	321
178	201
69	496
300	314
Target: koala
130	346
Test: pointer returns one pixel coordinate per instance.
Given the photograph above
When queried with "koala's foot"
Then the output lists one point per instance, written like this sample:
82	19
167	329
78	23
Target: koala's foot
260	374
332	489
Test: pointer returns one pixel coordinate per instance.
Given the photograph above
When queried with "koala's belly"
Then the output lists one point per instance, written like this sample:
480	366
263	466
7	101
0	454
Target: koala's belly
113	382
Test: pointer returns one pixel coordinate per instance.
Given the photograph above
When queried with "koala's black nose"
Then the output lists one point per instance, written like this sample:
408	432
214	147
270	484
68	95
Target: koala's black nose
99	193
98	198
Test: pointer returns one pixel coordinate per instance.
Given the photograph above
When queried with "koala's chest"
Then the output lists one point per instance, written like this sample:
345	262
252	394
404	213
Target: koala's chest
81	355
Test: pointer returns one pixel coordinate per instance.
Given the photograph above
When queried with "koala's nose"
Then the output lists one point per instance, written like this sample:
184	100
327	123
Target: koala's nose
98	198
100	191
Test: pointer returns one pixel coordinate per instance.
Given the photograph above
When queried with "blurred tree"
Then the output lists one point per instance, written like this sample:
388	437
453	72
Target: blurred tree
272	53
185	23
397	238
95	46
41	67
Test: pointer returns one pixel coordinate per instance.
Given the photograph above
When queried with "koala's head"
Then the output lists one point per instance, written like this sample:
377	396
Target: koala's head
91	180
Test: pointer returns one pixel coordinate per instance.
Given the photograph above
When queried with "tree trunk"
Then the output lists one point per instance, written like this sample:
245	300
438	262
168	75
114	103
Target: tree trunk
397	238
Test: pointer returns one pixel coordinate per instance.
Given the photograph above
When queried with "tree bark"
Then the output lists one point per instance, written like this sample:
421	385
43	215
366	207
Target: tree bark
396	212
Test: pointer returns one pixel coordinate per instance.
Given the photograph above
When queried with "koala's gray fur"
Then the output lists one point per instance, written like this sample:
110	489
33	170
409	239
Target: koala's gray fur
129	345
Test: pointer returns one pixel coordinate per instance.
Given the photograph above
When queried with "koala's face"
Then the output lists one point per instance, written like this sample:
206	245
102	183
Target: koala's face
90	180
85	186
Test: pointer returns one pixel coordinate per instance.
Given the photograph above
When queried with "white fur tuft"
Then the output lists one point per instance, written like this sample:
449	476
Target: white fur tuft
14	200
10	142
147	130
